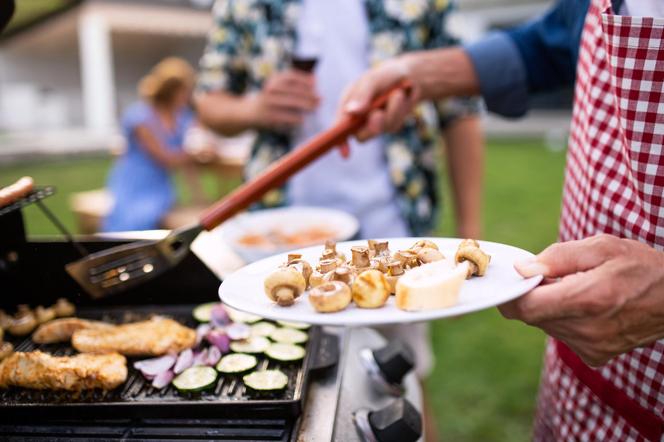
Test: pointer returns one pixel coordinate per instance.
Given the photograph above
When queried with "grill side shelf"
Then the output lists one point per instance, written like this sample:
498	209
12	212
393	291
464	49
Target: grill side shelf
137	398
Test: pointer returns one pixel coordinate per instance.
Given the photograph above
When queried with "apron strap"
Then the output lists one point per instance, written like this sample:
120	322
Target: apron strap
643	420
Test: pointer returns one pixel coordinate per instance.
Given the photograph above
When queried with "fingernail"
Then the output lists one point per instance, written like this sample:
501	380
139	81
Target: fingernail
353	106
531	267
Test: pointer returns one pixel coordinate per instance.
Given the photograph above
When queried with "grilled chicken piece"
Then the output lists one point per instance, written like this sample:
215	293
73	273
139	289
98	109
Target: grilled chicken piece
61	330
153	337
42	371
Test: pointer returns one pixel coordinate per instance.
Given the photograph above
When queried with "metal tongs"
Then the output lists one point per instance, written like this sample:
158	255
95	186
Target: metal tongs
117	269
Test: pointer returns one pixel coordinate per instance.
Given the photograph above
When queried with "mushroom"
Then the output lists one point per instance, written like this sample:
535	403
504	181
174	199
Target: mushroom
422	244
63	308
325	267
343	274
478	261
284	285
330	297
394	272
407	258
360	257
5	320
332	245
302	266
370	289
429	254
5	350
23	323
380	263
44	314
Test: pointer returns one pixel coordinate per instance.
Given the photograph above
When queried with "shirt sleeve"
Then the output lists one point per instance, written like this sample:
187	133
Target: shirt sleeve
537	56
453	108
223	64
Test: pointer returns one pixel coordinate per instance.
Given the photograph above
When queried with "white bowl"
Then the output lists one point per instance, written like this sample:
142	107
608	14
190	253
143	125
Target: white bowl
288	220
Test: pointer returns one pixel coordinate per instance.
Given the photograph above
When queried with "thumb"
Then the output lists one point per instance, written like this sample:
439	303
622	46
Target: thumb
570	257
358	98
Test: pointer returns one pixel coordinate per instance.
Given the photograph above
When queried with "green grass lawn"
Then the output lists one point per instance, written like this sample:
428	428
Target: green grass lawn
485	381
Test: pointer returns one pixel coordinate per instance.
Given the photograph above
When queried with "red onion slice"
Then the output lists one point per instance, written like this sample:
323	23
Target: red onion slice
214	354
155	366
219	339
163	379
201	331
184	361
238	331
219	316
200	358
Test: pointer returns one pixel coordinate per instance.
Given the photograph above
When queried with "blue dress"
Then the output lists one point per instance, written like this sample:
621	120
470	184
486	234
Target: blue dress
141	188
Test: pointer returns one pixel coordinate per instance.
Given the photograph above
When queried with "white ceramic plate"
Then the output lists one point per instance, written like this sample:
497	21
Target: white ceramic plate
243	289
288	220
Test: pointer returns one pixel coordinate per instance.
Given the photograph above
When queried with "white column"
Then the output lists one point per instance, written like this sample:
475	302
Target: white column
96	60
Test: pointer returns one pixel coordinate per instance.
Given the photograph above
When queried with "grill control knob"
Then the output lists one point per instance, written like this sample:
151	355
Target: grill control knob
387	366
397	422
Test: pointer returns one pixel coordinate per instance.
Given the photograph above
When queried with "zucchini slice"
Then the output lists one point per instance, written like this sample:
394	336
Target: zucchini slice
197	378
238	316
255	344
237	363
289	336
266	380
203	312
262	329
297	325
285	352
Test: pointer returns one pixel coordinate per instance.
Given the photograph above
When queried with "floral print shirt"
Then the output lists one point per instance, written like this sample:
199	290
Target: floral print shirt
253	39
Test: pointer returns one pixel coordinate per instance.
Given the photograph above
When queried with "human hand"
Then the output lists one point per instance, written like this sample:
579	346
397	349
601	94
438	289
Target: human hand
284	99
358	97
603	296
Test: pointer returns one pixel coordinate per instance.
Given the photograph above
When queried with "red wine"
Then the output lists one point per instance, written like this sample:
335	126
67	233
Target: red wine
304	64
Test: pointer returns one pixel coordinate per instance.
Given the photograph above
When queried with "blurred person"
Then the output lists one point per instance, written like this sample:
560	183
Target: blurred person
602	302
154	128
247	81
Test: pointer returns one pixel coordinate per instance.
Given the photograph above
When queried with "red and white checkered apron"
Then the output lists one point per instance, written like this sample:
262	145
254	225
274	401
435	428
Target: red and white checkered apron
614	183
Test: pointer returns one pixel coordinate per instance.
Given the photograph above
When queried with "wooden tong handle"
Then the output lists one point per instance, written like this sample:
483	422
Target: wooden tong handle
288	165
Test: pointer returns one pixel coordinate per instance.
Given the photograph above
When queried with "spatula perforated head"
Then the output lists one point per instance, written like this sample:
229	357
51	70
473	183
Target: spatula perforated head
119	268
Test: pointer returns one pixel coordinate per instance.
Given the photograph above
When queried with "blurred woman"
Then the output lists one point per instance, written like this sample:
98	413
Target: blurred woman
154	128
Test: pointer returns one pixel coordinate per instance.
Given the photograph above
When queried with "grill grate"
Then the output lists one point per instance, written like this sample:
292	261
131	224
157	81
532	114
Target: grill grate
137	398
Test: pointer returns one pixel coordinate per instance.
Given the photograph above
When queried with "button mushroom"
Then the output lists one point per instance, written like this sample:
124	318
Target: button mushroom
370	289
331	245
5	320
64	308
478	261
44	314
23	323
330	297
295	261
378	248
325	267
5	350
343	274
394	272
407	258
422	244
284	285
429	254
360	257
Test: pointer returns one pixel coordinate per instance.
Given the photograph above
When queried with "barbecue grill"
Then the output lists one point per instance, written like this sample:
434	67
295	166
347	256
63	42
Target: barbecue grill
333	394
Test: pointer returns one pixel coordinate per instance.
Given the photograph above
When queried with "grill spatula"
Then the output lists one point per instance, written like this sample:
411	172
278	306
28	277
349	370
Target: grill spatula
114	270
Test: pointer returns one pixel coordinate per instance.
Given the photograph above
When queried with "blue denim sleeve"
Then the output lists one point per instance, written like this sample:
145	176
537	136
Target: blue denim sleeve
537	56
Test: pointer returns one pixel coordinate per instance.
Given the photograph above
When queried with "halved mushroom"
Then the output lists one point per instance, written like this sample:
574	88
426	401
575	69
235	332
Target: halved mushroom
5	350
429	254
64	308
370	289
284	285
330	297
360	257
394	272
407	258
478	261
23	323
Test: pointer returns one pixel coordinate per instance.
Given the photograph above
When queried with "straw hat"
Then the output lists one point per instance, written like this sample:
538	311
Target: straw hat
167	76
